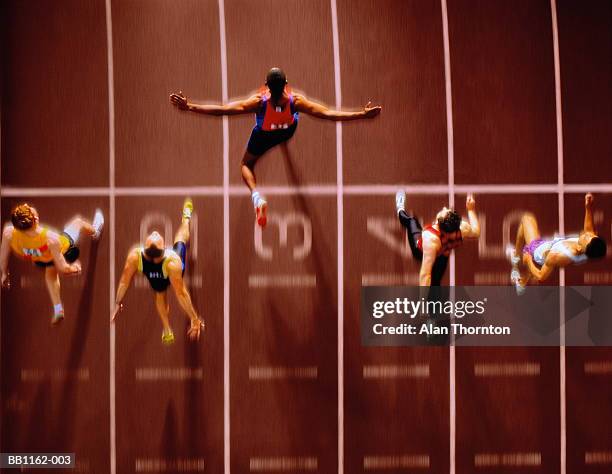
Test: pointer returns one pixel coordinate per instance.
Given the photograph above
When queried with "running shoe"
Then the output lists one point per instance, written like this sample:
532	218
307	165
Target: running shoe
97	224
261	212
511	254
57	318
167	337
400	200
187	209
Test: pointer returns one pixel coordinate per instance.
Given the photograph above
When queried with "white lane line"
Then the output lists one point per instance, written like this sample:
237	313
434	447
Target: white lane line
561	202
530	459
389	279
57	375
267	372
396	371
309	190
226	247
451	199
340	235
111	228
401	461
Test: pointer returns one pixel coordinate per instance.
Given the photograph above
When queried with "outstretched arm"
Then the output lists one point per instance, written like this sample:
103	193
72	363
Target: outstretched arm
302	104
5	250
233	108
470	229
129	269
175	273
588	213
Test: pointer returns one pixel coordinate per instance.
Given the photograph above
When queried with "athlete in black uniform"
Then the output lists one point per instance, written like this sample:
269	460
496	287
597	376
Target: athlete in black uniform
163	267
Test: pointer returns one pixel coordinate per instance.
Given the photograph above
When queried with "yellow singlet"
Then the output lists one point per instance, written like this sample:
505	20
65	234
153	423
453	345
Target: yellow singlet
36	249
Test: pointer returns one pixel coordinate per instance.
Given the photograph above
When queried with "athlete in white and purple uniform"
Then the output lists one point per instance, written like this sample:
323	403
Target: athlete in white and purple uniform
276	110
540	256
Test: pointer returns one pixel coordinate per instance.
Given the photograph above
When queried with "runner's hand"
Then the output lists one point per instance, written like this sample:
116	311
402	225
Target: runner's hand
117	310
74	269
588	200
179	100
6	283
470	203
197	325
371	112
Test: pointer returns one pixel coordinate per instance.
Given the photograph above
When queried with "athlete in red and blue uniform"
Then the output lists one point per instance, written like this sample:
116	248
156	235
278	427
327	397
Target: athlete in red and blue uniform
276	110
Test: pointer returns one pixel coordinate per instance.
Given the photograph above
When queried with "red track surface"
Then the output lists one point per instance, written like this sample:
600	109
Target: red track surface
56	384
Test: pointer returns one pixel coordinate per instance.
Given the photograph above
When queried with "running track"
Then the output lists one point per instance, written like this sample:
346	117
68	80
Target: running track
280	382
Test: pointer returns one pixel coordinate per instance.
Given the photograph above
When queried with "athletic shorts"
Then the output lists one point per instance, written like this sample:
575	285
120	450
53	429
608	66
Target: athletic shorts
261	141
71	254
181	249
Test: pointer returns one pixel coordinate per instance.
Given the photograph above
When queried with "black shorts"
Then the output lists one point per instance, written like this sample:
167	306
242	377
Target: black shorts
71	254
159	285
261	141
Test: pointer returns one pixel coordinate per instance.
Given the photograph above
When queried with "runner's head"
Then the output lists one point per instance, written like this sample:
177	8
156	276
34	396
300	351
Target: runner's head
276	82
24	217
154	246
593	245
448	220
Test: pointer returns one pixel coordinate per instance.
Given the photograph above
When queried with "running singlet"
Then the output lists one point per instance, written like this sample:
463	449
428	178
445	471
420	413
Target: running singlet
156	273
544	247
269	118
36	249
447	245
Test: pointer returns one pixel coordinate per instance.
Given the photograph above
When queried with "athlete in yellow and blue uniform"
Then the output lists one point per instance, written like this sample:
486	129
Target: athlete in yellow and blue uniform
163	267
276	111
56	252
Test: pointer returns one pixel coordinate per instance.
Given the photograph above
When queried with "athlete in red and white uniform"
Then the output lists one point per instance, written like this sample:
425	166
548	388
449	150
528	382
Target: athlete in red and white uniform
433	244
276	111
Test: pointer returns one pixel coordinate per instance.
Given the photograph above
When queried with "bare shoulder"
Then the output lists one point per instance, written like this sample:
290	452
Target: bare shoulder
7	232
133	255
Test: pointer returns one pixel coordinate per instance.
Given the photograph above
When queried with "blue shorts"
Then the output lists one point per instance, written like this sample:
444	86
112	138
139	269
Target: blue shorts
261	141
181	249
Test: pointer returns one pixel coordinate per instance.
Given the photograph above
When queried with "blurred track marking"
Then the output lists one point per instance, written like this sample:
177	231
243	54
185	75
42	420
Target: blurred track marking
169	465
282	281
111	228
508	459
282	372
395	371
450	140
148	374
226	246
600	367
283	463
311	190
388	279
340	233
598	457
58	375
403	461
524	369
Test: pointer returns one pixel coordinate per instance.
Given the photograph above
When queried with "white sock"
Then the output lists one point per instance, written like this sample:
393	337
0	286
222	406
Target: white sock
255	197
58	309
98	223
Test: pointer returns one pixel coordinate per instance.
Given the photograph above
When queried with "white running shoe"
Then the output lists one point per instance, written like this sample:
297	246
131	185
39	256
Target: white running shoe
515	278
511	254
400	200
97	224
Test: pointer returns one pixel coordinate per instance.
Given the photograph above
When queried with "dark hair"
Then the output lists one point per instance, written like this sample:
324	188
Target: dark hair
596	248
153	252
451	222
276	81
23	217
